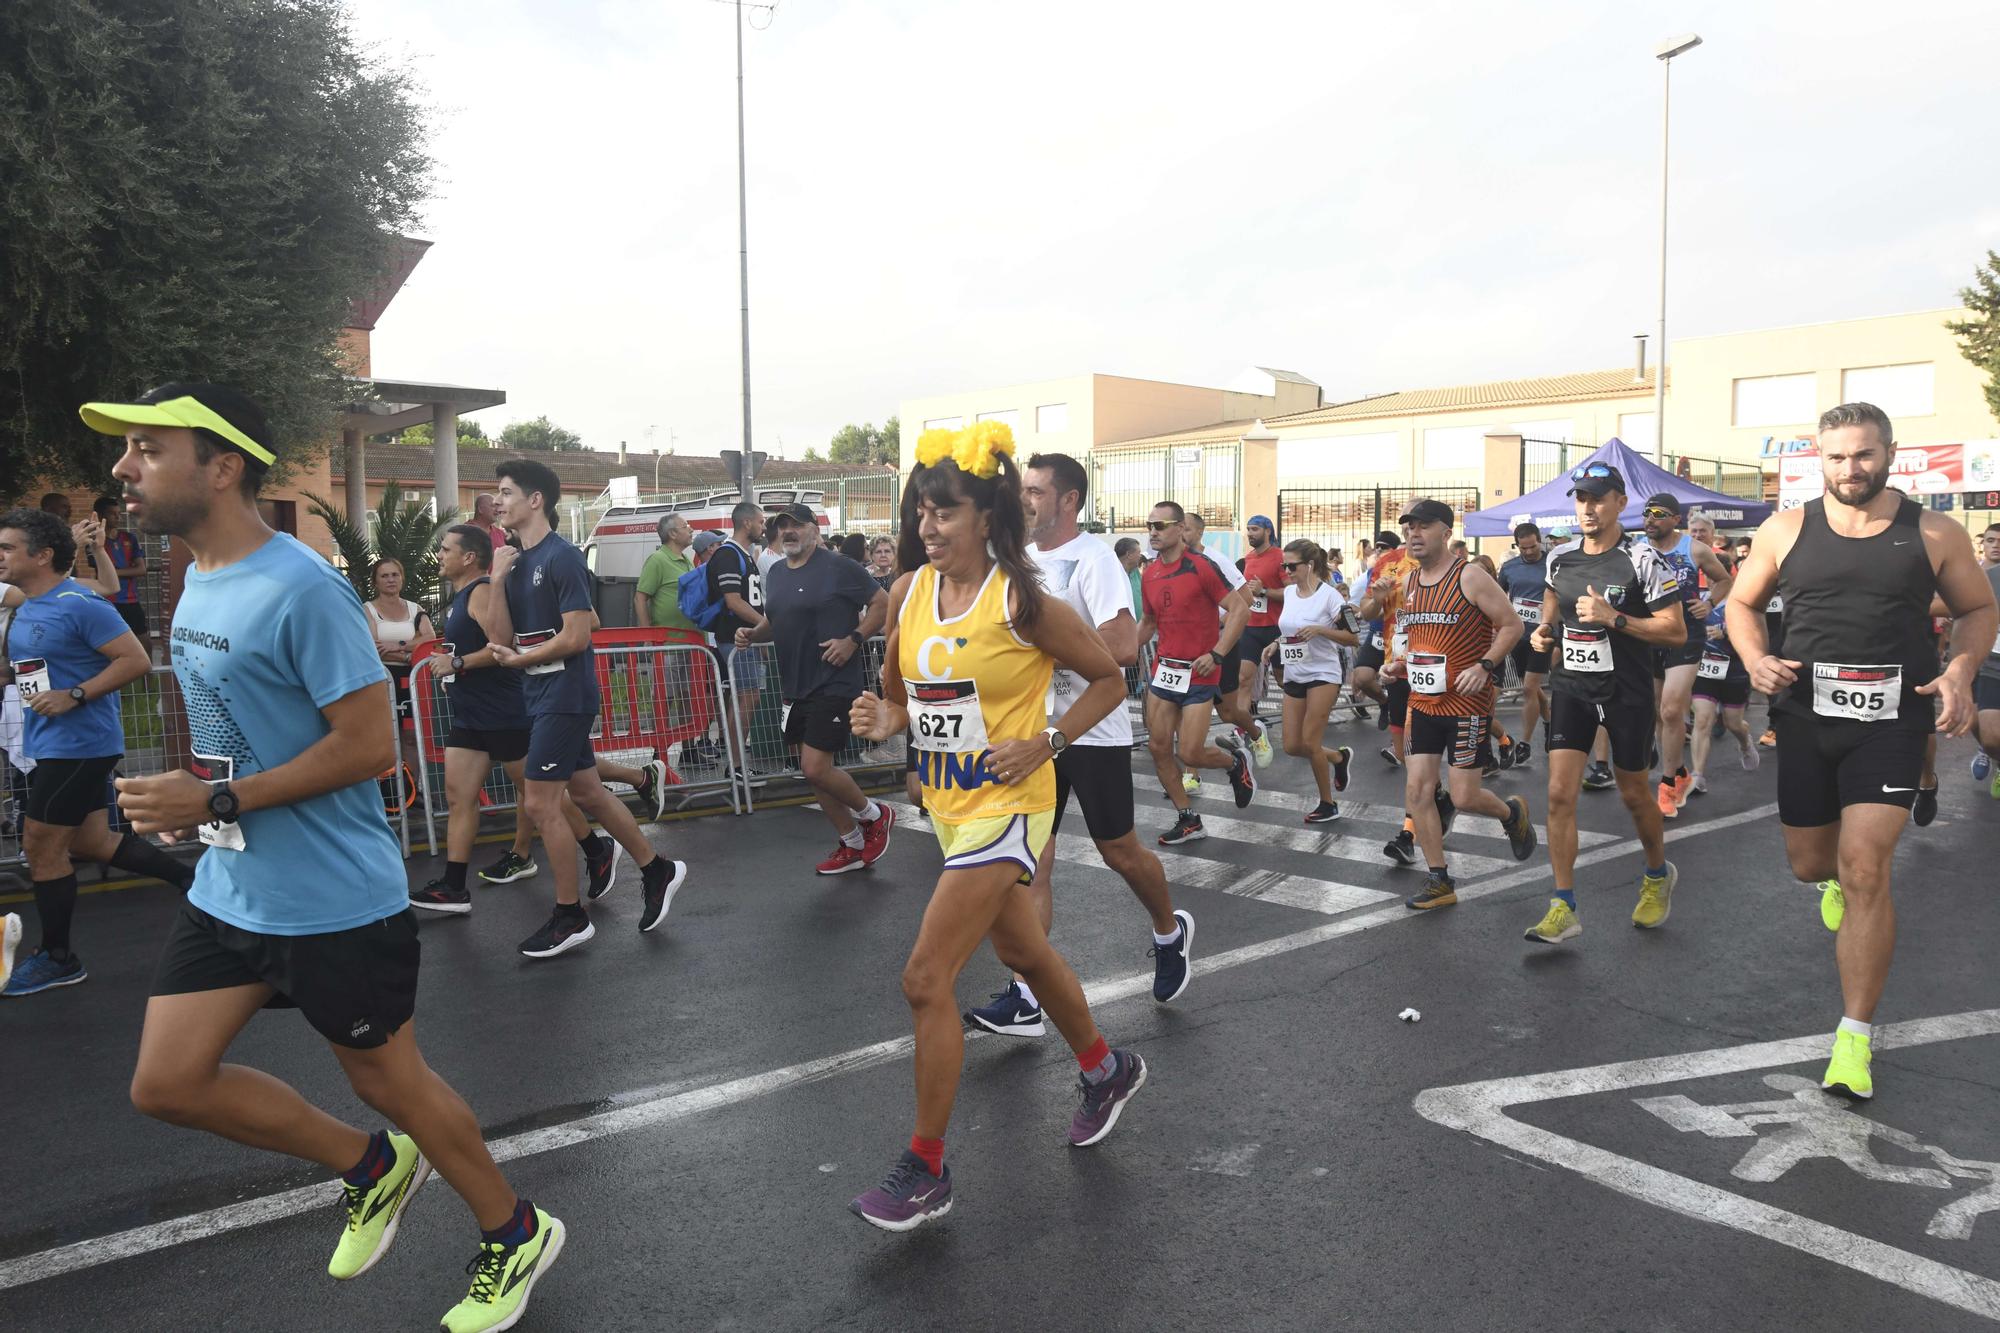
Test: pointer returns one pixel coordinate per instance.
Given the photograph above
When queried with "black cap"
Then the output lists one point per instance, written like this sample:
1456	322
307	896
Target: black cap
1594	486
796	512
1428	511
1665	500
1388	538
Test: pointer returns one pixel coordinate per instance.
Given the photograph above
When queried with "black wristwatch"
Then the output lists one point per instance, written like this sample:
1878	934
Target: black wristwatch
457	664
1057	741
1493	669
860	639
76	693
1619	623
223	805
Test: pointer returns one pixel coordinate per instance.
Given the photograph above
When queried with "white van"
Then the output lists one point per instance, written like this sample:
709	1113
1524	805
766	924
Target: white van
620	541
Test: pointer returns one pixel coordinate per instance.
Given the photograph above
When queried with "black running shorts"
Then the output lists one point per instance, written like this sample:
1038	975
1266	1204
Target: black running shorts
1730	691
1101	777
1527	662
1232	673
1985	693
356	987
1256	638
1687	654
65	792
559	745
819	720
1573	725
502	746
1368	657
1398	692
1465	742
1299	689
1825	766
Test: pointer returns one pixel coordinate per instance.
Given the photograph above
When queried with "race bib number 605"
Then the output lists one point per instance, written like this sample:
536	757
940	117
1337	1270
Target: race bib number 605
1858	693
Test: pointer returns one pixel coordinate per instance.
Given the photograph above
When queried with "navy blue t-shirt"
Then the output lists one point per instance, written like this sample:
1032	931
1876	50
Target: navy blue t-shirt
547	581
824	599
1525	580
484	698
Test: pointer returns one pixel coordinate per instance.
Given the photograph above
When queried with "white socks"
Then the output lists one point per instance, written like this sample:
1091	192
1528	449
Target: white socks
852	838
1856	1025
1166	939
868	813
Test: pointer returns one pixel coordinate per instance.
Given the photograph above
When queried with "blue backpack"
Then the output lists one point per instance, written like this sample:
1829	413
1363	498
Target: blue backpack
697	603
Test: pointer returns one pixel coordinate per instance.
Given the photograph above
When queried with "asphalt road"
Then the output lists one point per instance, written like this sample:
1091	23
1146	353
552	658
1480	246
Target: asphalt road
699	1104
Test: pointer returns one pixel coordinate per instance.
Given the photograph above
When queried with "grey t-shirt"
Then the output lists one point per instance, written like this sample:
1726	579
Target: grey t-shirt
1990	668
820	600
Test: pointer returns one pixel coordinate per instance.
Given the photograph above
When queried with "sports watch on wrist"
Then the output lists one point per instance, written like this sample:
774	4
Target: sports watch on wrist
457	664
1493	669
860	639
1057	741
1619	623
76	693
223	805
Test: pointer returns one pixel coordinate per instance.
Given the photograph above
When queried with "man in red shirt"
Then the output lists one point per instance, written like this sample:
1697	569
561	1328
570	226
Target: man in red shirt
1264	585
1184	597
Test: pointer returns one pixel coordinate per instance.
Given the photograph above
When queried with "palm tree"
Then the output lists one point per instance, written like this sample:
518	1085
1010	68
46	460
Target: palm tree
404	530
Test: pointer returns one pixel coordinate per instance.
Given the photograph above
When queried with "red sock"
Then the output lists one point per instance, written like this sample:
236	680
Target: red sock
1099	1052
931	1150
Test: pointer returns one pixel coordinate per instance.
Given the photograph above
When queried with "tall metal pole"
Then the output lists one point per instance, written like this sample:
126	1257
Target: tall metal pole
1660	361
743	249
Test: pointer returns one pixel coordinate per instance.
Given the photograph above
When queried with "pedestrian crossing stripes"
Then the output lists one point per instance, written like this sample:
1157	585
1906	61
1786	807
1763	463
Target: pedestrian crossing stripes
1363	847
1477	826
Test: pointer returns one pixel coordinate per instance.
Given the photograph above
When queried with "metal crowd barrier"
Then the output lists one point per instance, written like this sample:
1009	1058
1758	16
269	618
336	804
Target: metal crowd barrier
655	701
757	733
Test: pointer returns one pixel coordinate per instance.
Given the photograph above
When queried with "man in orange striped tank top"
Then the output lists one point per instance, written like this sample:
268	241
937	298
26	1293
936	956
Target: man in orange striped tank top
1461	627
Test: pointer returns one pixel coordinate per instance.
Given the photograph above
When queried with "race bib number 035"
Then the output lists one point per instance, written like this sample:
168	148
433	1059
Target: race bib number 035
1586	648
1858	693
1292	653
945	716
1173	675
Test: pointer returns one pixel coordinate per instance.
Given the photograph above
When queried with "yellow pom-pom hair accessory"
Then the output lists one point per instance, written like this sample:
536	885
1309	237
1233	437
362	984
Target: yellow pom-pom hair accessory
934	446
976	450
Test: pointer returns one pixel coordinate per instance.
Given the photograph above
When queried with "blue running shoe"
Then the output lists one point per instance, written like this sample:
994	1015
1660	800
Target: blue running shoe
39	972
909	1196
1982	766
1170	961
1009	1014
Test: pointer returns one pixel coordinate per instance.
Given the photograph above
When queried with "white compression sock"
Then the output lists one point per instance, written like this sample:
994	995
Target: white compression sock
870	812
1856	1025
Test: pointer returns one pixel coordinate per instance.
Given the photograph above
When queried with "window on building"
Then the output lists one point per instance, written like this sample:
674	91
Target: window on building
1051	417
1901	391
1010	418
1454	447
944	423
1775	400
1638	430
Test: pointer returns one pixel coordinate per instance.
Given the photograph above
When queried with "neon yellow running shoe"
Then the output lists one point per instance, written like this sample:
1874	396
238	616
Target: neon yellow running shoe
1656	899
1260	749
1190	784
502	1277
1832	903
1560	924
1848	1070
374	1213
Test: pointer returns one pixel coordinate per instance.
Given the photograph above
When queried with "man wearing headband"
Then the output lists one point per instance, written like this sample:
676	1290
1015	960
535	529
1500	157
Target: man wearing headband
300	898
1606	606
1704	585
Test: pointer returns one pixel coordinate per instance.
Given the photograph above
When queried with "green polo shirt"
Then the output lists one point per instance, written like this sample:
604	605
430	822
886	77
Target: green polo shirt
660	580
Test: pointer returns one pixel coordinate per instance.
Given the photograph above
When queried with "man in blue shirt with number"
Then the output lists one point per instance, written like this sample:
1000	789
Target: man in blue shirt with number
541	628
70	653
298	900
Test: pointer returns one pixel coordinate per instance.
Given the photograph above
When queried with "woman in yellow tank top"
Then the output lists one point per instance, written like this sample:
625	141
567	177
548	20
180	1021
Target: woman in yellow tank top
967	672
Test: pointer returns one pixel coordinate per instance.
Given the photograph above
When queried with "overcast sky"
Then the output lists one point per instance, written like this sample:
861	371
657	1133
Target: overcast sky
952	194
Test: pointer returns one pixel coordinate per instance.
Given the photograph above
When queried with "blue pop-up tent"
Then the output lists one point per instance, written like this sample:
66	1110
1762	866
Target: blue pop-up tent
1551	506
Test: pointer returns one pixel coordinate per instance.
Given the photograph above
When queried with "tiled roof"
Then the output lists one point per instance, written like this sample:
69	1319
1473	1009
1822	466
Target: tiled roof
1552	389
584	473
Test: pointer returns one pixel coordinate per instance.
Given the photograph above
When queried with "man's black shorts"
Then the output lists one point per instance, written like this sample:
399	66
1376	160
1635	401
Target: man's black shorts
65	792
1465	742
1368	657
1527	662
1573	725
1824	766
559	745
1687	654
1398	694
1730	691
1985	693
1232	673
134	616
818	720
1101	777
502	746
1256	638
356	987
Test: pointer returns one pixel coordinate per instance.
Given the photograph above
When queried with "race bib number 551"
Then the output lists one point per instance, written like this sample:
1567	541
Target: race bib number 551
31	677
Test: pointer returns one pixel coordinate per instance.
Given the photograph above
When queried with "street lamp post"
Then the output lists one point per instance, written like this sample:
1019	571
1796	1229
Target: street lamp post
1665	55
743	247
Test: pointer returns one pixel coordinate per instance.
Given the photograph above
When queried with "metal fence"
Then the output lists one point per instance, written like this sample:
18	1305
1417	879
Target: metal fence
1206	479
867	502
1339	517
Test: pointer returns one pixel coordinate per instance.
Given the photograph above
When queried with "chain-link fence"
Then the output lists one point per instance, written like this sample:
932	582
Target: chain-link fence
1205	479
1338	518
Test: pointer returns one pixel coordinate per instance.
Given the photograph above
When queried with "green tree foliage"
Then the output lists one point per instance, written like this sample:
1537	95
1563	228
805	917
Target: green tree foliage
539	436
1979	337
402	530
471	435
865	444
195	190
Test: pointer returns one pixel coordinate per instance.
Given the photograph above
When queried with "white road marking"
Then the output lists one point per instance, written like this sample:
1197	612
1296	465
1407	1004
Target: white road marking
674	1102
1476	826
1481	1109
1314	840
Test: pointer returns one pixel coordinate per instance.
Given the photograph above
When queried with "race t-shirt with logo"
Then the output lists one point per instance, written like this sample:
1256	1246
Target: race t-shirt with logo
1524	582
820	600
1719	658
1596	663
54	643
1314	661
547	581
731	569
125	551
1184	599
1446	634
1268	567
487	698
259	648
1084	573
1693	583
1391	573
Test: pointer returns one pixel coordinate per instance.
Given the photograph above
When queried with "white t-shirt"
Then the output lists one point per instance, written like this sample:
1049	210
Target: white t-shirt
1085	574
1322	664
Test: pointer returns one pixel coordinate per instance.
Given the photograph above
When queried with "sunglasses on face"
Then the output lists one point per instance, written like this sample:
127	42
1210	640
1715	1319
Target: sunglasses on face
1290	565
1156	526
1590	470
1656	512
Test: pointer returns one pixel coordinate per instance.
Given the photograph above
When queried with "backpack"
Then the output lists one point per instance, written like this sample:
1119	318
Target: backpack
697	603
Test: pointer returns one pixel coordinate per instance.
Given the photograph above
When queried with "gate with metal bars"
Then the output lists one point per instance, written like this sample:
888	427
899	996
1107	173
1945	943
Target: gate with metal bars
1339	517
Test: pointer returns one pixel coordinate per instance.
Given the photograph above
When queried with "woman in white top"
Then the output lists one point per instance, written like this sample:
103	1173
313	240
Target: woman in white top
1311	632
398	622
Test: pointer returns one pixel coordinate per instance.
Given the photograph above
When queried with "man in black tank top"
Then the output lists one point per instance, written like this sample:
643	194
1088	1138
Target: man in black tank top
1858	691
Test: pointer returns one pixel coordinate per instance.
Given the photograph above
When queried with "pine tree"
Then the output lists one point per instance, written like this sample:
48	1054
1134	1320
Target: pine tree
1979	337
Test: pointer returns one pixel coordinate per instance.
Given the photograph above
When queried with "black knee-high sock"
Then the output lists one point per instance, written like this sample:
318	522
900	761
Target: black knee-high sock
143	858
55	903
